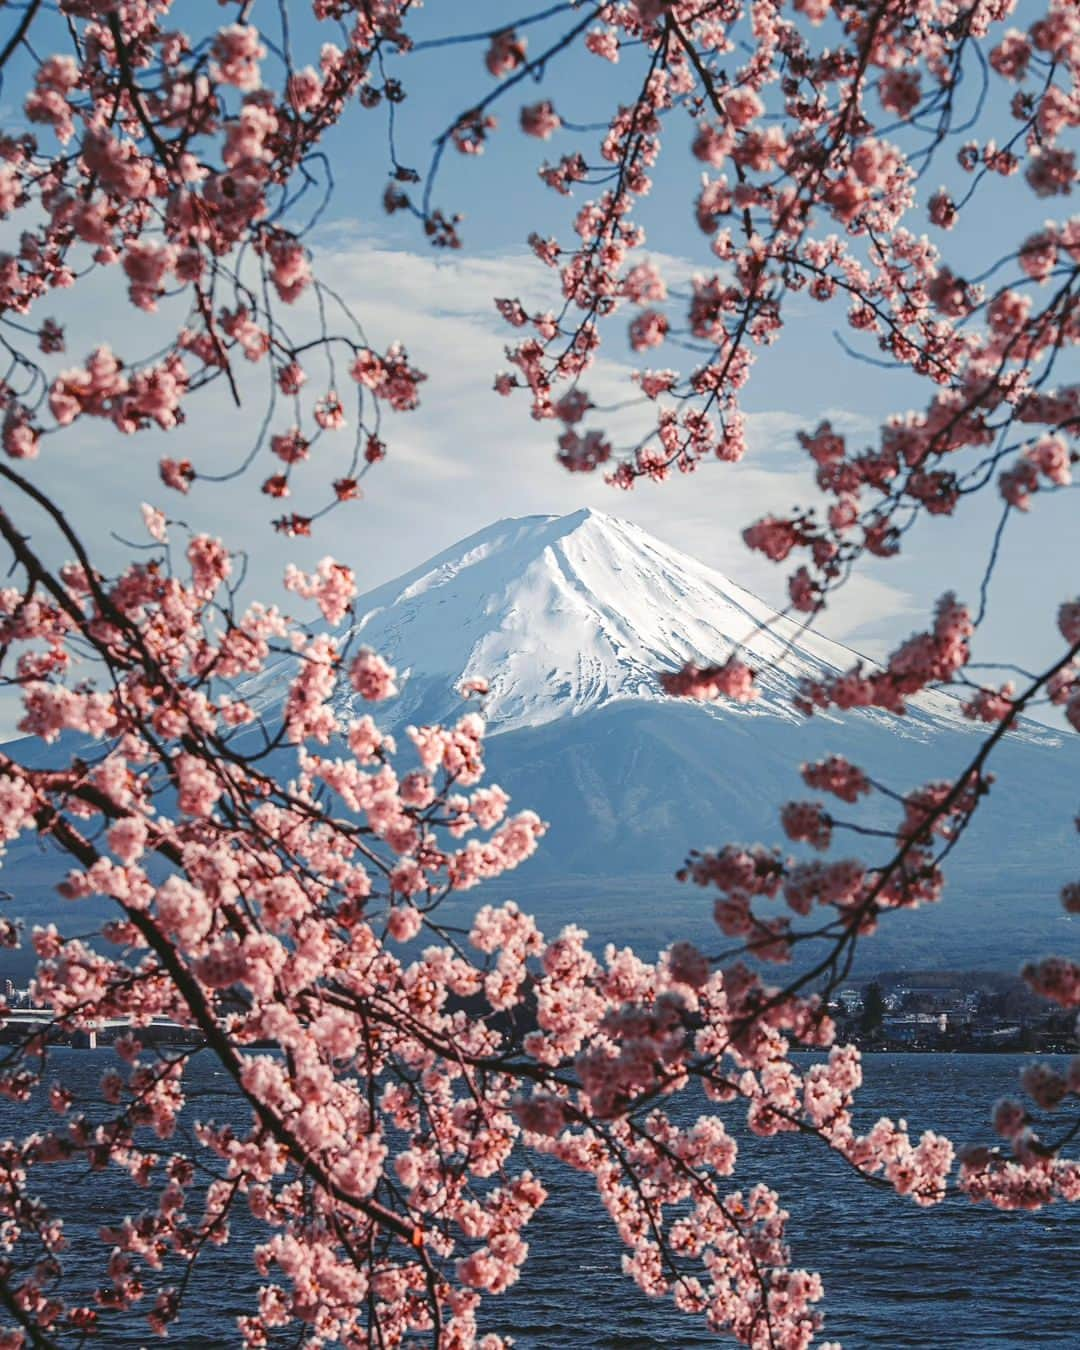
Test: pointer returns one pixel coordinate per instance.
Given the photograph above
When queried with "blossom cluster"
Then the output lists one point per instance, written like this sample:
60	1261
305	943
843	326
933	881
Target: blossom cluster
174	158
274	876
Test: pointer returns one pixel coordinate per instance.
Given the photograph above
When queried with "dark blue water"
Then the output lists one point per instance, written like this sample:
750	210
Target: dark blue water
896	1276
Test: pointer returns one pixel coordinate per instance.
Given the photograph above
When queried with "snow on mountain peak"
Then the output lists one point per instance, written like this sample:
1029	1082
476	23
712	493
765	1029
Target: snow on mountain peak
563	614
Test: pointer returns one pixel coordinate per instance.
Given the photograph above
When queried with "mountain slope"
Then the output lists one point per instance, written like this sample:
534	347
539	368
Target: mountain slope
628	789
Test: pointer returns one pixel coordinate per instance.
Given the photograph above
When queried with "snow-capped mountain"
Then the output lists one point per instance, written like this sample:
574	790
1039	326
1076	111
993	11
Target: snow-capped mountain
563	615
570	619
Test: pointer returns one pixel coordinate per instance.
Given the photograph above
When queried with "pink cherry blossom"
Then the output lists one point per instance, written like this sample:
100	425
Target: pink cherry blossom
371	677
273	871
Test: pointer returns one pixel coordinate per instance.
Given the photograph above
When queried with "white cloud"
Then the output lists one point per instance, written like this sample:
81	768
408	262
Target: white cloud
465	458
467	438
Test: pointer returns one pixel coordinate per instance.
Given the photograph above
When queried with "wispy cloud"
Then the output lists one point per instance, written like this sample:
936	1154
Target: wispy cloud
464	458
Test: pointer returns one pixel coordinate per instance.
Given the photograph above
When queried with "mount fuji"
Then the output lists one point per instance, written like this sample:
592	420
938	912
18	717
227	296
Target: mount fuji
565	615
570	619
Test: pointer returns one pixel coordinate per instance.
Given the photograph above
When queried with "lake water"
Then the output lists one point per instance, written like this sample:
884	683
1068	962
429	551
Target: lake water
959	1275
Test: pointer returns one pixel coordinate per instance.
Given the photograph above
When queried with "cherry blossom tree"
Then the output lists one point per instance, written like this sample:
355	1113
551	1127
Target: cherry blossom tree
275	881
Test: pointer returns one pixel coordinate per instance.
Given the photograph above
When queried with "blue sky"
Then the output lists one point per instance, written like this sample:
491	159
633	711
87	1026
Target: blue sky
468	457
